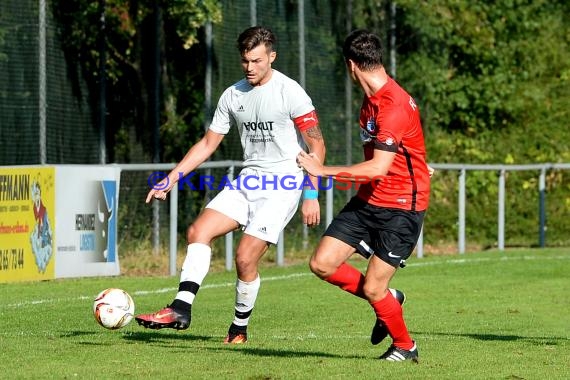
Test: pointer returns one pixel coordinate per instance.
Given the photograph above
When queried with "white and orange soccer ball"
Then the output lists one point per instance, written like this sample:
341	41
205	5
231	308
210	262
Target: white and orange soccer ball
113	308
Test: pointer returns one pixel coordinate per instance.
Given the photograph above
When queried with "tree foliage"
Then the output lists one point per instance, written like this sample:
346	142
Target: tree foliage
488	68
130	30
481	71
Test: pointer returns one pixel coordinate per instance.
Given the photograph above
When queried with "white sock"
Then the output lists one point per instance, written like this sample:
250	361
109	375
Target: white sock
194	270
246	294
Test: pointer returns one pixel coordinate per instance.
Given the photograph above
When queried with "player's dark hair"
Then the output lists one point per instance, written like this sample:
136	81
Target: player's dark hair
365	49
253	37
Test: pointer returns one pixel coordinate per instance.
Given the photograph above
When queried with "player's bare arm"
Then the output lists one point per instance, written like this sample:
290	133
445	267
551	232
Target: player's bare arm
195	156
376	167
310	208
313	137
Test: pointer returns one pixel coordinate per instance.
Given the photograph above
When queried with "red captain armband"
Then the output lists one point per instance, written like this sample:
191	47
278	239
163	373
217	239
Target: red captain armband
306	121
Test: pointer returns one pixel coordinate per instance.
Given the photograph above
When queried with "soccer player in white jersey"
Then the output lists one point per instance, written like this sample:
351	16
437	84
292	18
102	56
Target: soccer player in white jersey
274	115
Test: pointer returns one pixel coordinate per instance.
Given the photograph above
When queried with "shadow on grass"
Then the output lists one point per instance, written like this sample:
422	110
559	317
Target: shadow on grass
267	352
151	336
537	340
72	334
162	338
144	336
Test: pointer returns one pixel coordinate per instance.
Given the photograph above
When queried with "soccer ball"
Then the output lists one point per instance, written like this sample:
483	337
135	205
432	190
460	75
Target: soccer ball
113	308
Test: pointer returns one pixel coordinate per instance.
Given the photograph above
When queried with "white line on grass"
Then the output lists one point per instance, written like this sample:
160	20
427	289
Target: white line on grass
285	277
220	285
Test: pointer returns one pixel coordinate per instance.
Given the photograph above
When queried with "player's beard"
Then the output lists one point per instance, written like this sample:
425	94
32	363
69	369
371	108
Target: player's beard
258	78
252	81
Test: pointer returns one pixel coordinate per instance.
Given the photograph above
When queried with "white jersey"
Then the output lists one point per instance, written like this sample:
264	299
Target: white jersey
264	118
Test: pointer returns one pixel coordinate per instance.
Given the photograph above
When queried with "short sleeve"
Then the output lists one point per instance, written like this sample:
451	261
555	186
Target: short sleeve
392	122
221	121
299	101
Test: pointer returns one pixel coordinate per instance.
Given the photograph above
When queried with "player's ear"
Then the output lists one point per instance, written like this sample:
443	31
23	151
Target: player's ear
350	65
272	56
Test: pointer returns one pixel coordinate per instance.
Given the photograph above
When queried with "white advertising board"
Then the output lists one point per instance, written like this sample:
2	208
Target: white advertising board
86	208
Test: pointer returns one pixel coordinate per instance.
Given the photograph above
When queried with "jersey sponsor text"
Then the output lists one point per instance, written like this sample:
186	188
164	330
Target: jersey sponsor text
259	125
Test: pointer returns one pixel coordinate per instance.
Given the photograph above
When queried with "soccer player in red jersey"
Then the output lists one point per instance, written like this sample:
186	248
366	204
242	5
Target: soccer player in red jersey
384	219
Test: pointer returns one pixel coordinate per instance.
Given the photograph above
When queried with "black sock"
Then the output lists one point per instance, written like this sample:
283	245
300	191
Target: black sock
235	329
181	306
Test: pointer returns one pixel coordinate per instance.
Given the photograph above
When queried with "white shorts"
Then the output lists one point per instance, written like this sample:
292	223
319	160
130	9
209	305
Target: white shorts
262	203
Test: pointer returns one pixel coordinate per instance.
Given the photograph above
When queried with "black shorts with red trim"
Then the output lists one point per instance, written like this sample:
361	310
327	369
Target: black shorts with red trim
389	233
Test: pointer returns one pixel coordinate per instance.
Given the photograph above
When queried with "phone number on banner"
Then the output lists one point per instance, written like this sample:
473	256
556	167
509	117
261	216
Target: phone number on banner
11	259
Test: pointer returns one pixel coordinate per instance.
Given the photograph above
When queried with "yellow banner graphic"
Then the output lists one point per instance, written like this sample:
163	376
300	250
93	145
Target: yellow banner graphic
27	223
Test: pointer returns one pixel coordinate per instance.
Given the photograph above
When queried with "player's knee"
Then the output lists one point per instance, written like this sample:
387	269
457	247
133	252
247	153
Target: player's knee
195	234
373	291
319	268
191	234
245	263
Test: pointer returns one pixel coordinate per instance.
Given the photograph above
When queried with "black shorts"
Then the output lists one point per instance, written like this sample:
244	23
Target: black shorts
389	233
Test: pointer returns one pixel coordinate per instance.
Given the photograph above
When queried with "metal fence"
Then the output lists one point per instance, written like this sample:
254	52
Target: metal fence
48	109
462	170
46	115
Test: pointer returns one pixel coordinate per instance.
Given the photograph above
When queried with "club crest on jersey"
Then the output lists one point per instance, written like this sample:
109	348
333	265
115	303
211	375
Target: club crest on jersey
370	125
369	131
365	136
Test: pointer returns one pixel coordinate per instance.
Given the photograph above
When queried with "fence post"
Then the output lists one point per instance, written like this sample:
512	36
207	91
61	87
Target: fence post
42	79
542	208
155	227
173	229
281	250
329	204
420	244
461	201
302	81
253	12
501	216
230	235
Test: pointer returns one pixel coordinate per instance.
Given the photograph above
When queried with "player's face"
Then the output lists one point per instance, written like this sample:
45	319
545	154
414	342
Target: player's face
256	65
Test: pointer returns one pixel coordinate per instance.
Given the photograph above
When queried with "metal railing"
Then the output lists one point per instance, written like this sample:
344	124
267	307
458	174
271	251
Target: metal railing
501	169
462	170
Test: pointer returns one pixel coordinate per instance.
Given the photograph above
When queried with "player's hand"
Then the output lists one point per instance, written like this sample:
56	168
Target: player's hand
156	194
311	163
311	212
160	190
430	170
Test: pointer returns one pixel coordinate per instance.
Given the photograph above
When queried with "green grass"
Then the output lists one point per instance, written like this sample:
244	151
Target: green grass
492	315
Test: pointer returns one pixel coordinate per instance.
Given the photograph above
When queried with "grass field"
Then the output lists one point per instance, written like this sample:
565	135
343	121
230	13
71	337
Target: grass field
491	315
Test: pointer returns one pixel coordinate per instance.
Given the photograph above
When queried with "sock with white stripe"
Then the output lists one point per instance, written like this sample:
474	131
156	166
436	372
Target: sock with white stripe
194	270
246	294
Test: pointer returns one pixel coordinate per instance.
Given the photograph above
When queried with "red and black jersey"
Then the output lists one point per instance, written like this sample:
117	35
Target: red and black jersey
390	121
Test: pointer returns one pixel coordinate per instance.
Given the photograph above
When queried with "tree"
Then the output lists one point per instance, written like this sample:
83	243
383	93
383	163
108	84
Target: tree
129	32
482	67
